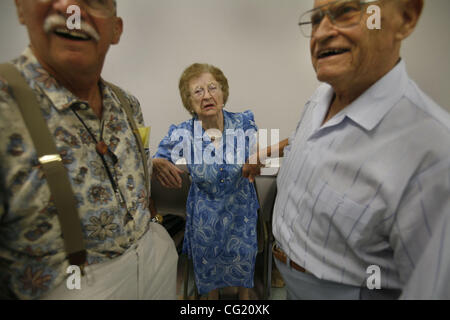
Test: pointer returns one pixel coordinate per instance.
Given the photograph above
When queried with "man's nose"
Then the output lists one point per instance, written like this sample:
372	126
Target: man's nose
62	5
325	30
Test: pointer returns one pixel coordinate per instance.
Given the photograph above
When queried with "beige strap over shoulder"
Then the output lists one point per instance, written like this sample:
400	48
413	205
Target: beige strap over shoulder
51	163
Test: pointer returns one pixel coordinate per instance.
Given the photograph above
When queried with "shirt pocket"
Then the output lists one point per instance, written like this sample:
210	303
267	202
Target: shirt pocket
334	218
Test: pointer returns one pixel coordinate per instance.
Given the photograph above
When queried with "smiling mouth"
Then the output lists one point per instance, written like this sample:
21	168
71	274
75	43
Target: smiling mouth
331	52
72	34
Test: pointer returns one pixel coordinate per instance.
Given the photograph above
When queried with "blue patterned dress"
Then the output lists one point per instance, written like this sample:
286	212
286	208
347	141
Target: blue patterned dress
220	235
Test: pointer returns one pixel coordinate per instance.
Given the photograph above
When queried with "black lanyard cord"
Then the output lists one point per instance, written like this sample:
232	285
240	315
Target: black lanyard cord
102	157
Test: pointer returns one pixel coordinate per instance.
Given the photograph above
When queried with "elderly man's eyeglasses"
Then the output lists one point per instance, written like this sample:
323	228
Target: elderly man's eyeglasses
342	14
199	92
97	8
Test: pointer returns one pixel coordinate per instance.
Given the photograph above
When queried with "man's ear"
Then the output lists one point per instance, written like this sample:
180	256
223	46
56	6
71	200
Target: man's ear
117	31
410	11
19	8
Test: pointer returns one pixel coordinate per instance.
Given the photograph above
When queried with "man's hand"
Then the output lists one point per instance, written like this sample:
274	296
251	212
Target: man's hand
250	171
167	173
253	166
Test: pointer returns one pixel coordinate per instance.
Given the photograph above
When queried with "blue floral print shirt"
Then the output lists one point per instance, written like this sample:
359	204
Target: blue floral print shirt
32	255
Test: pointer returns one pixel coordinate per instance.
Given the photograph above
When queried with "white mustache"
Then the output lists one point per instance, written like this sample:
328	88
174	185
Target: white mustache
56	20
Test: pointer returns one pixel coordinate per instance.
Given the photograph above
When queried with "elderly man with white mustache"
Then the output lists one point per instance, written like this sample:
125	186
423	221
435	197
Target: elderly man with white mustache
95	130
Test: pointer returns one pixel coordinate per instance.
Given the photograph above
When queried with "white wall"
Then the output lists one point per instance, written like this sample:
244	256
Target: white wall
255	42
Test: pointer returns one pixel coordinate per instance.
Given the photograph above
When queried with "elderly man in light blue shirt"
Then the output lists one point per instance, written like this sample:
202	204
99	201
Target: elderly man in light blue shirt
365	181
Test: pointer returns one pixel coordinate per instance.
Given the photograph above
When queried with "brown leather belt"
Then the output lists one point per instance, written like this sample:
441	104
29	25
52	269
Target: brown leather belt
281	256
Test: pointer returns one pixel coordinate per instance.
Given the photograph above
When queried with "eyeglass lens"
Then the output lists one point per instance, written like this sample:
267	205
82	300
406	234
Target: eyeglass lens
98	8
343	14
200	91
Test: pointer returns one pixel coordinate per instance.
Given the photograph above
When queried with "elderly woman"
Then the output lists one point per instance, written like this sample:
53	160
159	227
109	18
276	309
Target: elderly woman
222	206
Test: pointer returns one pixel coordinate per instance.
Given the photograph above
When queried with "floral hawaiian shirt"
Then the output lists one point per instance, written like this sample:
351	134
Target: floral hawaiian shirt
32	256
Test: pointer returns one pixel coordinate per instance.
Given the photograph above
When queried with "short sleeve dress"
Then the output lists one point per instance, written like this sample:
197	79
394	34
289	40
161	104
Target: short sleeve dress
221	212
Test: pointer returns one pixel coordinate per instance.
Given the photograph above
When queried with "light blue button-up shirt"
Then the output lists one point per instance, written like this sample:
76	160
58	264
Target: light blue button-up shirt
431	277
368	187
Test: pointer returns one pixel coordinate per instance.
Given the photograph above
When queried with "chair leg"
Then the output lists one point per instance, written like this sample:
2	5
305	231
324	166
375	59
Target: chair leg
187	271
186	277
269	266
266	269
196	295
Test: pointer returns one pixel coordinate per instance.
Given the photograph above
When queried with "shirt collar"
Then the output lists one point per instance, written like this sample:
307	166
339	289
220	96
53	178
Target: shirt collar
372	106
227	120
60	97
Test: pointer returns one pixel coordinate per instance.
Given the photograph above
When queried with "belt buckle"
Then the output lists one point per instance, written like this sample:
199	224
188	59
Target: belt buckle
275	247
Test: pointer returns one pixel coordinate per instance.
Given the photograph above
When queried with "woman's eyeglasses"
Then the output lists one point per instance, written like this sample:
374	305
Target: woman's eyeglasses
199	92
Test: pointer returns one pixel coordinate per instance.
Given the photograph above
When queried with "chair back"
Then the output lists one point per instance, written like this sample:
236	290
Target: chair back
266	190
171	201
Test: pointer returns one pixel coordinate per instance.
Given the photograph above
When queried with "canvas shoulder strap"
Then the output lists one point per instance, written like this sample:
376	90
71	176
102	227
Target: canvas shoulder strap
51	163
127	108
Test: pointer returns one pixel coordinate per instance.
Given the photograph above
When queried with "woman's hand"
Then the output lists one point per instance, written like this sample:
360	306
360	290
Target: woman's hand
167	173
252	168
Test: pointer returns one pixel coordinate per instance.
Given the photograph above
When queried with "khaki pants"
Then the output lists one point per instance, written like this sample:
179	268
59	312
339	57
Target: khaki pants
146	271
